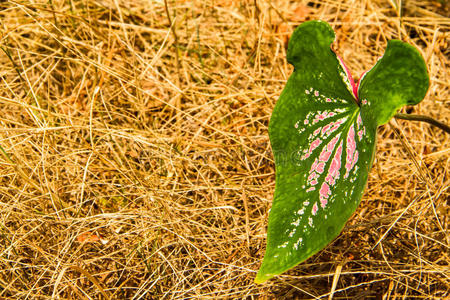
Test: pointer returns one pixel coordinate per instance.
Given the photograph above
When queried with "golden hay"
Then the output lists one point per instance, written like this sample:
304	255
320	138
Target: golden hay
137	162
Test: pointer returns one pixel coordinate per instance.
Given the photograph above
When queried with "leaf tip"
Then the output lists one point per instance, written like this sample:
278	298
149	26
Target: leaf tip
262	277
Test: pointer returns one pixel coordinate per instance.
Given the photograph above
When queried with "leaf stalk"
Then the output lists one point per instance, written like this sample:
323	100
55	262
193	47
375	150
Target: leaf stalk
426	119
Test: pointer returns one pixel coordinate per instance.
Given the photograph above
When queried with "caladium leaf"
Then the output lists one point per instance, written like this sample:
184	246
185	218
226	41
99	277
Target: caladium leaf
323	140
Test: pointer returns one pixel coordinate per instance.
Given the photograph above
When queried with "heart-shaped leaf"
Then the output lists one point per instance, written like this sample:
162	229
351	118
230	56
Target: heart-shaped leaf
324	141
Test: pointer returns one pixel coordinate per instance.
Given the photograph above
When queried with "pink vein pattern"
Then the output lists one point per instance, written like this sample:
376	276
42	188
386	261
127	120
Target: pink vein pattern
352	153
328	153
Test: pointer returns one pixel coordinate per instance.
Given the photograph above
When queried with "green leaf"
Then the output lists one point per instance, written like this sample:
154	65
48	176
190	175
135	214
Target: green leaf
323	144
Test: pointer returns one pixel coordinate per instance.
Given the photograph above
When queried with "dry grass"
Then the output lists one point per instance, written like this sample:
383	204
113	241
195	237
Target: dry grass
132	171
